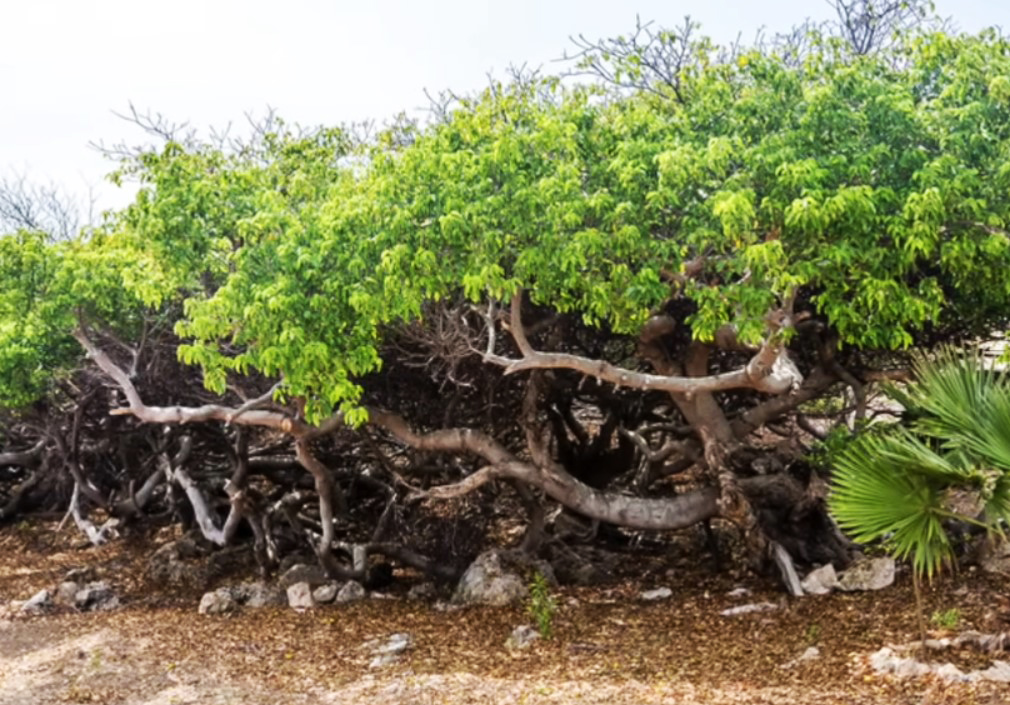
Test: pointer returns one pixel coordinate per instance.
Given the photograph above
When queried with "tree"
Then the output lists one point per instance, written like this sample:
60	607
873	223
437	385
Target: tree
609	302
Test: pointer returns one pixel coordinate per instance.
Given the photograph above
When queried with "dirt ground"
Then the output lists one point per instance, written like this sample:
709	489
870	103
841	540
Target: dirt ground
608	645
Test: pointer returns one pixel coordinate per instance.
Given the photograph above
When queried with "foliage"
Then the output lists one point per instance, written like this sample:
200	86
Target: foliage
542	605
904	483
946	619
879	192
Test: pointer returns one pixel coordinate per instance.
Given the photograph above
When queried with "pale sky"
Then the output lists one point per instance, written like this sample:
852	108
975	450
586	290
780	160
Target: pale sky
66	65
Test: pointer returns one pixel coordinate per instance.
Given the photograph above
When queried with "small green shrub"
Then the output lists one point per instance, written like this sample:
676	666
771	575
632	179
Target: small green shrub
947	619
542	605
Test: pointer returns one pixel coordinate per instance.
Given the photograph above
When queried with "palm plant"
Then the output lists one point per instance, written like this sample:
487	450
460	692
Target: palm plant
902	484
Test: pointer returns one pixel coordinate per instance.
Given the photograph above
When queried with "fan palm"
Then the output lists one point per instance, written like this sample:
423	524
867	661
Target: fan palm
901	484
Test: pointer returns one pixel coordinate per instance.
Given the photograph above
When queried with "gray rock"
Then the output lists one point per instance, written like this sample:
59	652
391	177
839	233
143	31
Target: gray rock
170	565
388	651
820	581
657	594
325	593
887	661
217	602
994	556
351	592
67	591
258	594
870	574
300	596
811	654
487	582
421	591
521	637
38	603
747	609
96	596
302	573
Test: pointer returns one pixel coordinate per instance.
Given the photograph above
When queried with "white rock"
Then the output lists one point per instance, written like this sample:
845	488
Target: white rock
521	637
999	671
300	596
38	603
217	602
811	654
746	609
390	650
871	574
67	591
325	593
738	592
351	592
886	661
820	581
950	672
486	582
657	594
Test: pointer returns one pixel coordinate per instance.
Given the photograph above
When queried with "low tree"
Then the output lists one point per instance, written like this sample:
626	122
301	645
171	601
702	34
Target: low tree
609	302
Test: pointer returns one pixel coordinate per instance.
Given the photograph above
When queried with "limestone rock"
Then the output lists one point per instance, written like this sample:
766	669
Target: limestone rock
820	581
67	591
38	603
747	609
657	594
258	594
175	564
488	582
96	596
521	637
421	591
811	654
869	574
300	596
302	573
351	592
994	556
325	593
390	650
217	602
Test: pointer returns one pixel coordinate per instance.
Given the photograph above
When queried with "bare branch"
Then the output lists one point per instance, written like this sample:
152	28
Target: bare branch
770	370
634	512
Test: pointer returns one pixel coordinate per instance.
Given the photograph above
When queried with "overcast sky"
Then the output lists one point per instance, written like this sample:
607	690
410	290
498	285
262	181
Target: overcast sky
66	65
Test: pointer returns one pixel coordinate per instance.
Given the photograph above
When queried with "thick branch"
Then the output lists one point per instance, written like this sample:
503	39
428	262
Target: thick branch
770	370
23	458
633	512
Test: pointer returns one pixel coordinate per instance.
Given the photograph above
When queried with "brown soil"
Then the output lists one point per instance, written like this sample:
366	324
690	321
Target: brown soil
608	646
